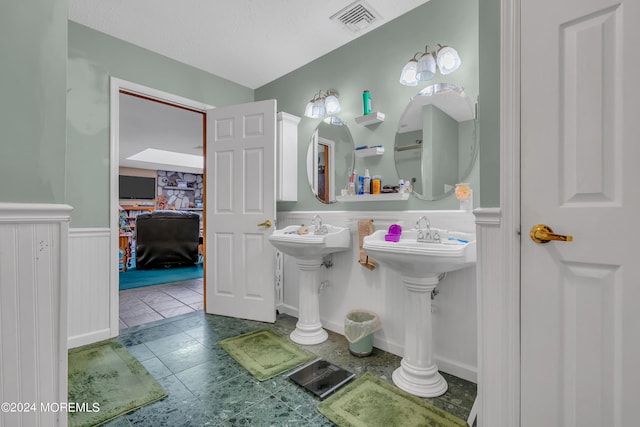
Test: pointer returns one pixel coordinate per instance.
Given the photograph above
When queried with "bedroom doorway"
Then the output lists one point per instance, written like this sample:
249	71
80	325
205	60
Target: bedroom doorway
156	137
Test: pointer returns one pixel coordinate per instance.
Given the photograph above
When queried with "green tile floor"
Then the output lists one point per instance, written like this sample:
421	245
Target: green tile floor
208	388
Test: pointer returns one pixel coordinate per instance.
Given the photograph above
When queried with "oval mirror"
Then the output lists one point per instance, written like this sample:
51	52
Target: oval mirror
330	158
436	141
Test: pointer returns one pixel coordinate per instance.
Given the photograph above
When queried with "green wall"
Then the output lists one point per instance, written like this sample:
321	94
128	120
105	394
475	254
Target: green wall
373	62
36	41
93	58
489	105
33	48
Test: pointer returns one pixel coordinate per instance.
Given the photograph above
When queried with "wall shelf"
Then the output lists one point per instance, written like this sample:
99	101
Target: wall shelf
370	119
374	197
369	152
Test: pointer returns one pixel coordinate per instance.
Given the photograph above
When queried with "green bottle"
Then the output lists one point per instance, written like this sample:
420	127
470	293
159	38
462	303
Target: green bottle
366	102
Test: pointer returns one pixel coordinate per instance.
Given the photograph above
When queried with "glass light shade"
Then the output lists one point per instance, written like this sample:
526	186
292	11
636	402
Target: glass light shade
308	110
335	121
448	60
408	74
332	105
318	110
426	68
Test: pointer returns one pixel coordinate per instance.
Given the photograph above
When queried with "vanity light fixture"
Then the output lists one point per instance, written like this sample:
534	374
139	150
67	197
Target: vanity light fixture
321	105
444	58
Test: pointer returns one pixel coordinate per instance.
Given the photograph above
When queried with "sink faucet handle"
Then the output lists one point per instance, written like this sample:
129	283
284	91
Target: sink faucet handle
317	223
420	220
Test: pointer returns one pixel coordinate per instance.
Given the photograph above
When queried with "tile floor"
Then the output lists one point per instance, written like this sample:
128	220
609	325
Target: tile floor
150	303
208	388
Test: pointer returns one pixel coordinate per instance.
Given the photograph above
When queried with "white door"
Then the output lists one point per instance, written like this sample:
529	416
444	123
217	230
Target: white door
240	195
580	300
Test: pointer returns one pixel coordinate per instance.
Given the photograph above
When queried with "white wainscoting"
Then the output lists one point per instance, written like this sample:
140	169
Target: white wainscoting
89	286
352	286
33	310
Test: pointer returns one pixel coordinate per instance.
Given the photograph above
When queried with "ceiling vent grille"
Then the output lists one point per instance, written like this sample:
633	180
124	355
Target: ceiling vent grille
356	17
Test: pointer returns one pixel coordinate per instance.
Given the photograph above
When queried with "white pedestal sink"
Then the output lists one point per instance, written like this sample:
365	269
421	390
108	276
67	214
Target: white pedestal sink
420	265
309	250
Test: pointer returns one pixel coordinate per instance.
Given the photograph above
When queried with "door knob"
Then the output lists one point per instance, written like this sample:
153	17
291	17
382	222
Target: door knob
541	233
267	224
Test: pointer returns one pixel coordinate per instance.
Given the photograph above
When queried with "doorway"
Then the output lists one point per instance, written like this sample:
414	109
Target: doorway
145	125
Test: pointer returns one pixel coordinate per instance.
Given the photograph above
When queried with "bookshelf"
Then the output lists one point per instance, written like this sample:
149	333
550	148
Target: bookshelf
131	213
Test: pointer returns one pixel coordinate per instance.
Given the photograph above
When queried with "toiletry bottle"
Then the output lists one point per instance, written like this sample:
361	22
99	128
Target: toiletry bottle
351	186
360	184
366	102
401	186
376	183
352	183
367	182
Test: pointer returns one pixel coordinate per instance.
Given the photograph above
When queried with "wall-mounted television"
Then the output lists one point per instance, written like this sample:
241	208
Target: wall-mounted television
137	187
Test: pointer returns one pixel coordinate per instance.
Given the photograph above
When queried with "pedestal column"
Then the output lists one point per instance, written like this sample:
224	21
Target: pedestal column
418	373
309	329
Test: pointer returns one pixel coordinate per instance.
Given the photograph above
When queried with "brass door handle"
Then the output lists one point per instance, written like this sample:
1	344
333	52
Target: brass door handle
267	224
541	233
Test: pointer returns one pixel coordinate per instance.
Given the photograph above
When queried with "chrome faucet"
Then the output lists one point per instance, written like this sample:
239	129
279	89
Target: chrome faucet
426	234
318	227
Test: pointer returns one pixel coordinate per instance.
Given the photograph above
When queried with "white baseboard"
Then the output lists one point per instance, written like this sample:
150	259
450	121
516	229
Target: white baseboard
89	338
460	370
287	309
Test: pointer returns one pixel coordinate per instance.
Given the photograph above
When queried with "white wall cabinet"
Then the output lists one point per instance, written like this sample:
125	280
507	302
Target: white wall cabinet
287	158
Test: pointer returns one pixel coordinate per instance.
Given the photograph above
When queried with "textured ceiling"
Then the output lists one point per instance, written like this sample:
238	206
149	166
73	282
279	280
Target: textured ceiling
250	42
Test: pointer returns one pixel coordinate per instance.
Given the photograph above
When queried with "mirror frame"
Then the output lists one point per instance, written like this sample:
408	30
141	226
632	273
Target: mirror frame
312	162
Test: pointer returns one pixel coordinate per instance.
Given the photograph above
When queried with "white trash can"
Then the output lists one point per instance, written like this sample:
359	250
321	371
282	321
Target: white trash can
359	326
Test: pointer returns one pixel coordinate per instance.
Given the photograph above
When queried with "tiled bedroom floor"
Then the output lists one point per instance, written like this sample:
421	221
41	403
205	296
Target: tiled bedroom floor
150	303
208	388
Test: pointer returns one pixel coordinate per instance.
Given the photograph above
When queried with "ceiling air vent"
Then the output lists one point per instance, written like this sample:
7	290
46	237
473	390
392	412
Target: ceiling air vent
356	17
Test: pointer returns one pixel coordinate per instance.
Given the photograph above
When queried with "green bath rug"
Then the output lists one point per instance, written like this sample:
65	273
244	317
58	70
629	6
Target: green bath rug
371	402
265	354
107	375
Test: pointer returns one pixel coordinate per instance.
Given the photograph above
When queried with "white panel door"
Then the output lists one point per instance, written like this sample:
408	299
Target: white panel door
240	195
581	177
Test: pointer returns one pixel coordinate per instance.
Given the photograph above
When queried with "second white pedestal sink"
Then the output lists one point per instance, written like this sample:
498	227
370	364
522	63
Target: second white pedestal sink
420	264
309	250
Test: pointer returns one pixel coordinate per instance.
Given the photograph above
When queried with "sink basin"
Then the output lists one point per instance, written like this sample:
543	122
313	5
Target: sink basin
419	259
309	246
